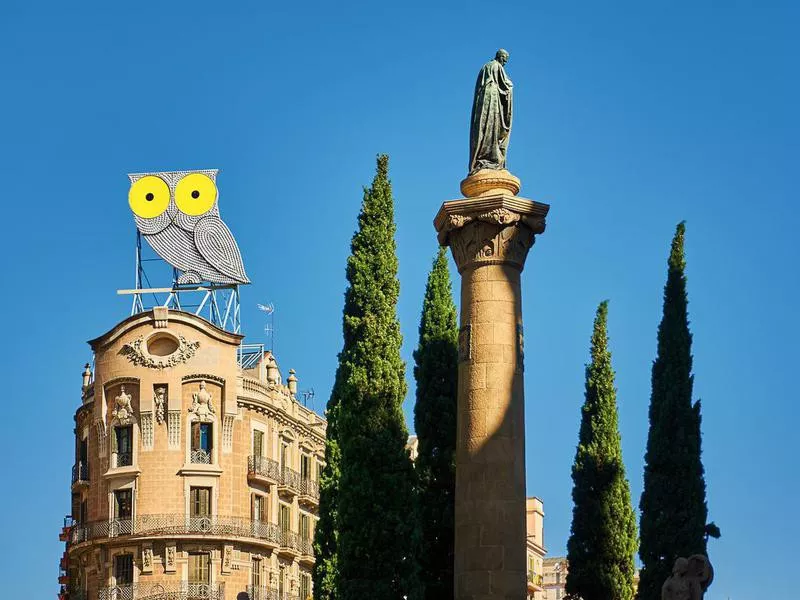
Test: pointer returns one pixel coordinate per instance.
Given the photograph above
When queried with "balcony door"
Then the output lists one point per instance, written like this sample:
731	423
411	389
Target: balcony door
199	576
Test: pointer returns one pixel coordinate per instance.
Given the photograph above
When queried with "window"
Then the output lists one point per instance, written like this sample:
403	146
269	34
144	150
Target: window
199	573
305	467
123	504
123	436
259	508
305	586
200	502
282	582
83	460
83	516
258	443
123	569
202	443
284	518
284	456
305	527
255	574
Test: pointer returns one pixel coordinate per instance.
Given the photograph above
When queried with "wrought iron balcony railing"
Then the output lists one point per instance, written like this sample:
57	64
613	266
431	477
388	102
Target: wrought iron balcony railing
309	487
306	546
263	466
290	479
202	457
163	591
289	539
534	578
268	593
172	524
123	459
80	472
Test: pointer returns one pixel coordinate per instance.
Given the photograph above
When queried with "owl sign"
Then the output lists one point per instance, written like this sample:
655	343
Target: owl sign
177	213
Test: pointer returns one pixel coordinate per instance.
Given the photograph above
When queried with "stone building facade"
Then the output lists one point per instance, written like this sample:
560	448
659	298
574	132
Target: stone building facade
196	469
534	511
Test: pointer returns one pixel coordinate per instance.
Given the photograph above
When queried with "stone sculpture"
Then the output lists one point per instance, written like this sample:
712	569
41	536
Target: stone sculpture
202	405
689	580
490	124
123	411
160	399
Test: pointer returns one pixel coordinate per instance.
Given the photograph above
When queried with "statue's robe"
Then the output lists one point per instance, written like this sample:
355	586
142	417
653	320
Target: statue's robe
491	118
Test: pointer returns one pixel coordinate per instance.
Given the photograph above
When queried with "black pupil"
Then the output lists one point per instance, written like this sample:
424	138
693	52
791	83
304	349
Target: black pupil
195	194
149	197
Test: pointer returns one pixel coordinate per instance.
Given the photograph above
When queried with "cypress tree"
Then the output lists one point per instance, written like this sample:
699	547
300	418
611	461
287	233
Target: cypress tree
603	539
436	373
326	573
673	503
378	532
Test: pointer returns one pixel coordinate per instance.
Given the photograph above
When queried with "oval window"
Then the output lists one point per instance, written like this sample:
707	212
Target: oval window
162	345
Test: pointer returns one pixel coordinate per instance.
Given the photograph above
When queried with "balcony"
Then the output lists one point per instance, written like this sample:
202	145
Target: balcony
290	482
289	543
177	524
306	547
162	591
122	459
263	470
267	593
534	582
309	492
80	474
200	457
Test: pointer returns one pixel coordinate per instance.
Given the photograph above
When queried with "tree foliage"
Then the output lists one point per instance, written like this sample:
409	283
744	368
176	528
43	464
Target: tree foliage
673	503
603	541
377	526
436	374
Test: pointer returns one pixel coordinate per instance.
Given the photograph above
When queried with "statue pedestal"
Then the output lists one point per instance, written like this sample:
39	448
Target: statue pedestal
490	235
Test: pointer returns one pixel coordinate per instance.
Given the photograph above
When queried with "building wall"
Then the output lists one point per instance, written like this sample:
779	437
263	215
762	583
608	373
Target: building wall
160	534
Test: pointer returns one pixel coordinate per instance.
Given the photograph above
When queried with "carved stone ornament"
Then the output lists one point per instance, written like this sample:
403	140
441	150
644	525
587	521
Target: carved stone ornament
160	402
482	242
147	560
689	580
227	559
202	404
138	355
169	559
123	411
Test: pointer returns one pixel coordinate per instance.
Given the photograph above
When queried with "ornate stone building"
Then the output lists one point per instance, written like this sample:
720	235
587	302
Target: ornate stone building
195	470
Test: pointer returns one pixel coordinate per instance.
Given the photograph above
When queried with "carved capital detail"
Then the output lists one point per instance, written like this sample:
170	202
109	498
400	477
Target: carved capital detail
483	243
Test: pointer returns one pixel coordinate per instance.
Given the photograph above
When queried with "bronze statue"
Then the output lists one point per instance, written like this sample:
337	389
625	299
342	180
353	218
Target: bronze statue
491	116
689	580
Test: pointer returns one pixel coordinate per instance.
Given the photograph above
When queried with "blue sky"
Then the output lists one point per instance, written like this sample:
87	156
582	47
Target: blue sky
629	117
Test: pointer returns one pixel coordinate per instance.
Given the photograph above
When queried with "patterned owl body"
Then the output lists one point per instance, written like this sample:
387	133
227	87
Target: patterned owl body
177	213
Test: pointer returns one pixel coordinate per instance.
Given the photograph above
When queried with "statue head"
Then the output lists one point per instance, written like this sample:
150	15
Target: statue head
680	567
501	56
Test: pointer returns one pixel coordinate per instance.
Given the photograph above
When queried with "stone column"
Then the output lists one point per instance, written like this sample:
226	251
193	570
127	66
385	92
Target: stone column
490	232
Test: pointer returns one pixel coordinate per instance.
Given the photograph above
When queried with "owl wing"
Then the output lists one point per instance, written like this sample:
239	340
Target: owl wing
216	244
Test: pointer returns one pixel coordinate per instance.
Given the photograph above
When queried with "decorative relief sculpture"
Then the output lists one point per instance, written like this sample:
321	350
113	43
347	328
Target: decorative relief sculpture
123	411
227	558
488	243
202	405
689	580
169	560
160	401
136	353
490	124
147	559
147	430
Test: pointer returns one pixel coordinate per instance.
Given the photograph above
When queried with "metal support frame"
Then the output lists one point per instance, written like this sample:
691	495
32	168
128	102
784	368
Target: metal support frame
217	303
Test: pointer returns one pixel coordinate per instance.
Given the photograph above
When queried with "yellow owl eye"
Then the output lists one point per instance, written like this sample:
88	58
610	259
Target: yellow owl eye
195	194
149	196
